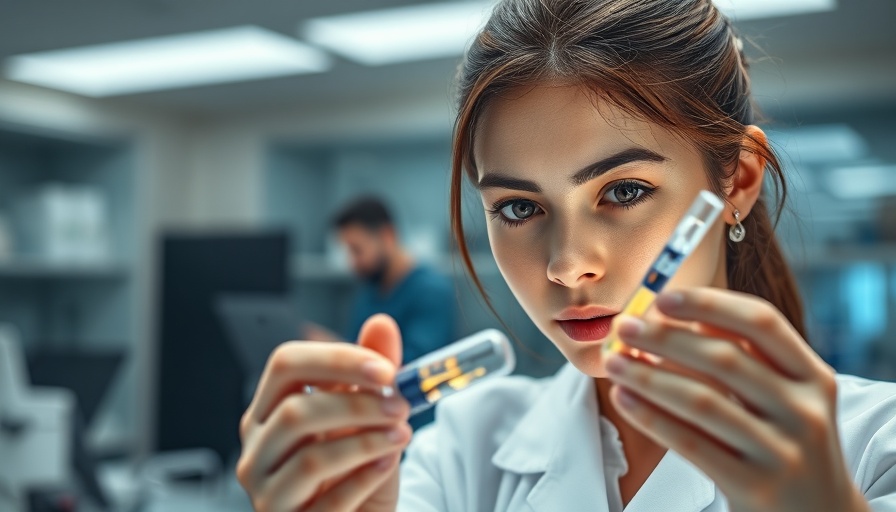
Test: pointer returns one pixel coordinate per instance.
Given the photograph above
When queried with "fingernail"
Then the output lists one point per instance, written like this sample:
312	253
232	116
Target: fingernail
627	399
393	407
631	327
376	371
396	435
670	300
617	364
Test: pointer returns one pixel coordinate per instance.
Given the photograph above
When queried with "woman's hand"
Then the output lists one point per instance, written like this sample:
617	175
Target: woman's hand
337	448
741	395
314	332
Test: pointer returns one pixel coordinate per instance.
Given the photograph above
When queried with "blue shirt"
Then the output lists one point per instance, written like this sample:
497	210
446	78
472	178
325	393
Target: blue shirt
423	304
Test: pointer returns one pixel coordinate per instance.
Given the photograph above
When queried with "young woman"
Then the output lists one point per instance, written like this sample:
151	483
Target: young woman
588	127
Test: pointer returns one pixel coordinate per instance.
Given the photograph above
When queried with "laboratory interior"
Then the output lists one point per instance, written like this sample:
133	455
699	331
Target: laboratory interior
174	176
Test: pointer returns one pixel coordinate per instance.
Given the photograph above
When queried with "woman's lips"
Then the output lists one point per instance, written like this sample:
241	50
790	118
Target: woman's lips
590	329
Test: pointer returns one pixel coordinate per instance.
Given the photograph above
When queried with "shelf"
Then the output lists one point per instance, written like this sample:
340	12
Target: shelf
45	270
816	257
318	267
70	303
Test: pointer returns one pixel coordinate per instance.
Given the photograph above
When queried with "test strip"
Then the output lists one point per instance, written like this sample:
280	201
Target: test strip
456	367
687	236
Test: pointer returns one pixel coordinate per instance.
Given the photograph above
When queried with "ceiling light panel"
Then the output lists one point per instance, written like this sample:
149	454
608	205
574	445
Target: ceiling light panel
201	58
402	34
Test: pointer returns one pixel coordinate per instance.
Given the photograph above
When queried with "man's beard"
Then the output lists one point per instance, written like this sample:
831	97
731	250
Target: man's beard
377	275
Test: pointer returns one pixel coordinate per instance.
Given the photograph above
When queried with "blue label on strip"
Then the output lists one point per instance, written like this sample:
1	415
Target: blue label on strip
663	268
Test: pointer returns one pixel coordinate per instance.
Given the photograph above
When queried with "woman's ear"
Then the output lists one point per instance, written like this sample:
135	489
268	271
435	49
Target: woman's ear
746	183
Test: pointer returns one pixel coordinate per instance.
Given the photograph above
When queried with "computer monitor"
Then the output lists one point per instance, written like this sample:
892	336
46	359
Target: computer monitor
255	324
199	378
88	374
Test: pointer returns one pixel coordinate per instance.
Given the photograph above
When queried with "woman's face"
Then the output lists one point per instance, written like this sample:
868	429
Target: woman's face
580	198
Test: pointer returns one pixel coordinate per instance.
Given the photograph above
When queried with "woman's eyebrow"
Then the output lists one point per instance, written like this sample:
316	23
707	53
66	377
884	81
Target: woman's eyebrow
498	180
606	165
601	167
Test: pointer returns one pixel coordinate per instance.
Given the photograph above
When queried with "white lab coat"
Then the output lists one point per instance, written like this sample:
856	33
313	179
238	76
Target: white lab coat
519	444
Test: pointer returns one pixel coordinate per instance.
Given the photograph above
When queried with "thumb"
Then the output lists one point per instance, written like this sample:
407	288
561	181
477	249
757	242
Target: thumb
380	333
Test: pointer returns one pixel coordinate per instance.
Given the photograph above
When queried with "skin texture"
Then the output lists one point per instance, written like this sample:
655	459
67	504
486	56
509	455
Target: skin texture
585	249
738	392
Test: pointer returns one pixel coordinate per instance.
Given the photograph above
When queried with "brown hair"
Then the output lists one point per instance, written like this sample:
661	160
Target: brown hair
676	63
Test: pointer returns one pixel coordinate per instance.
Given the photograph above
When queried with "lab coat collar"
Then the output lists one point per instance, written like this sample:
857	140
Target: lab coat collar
559	437
556	415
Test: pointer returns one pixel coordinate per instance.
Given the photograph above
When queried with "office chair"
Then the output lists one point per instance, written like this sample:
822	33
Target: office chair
35	428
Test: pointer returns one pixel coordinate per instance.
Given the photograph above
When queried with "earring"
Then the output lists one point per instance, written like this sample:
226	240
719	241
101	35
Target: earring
737	232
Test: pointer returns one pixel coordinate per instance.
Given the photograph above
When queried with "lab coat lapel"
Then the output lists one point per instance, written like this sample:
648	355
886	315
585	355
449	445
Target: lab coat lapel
559	438
674	486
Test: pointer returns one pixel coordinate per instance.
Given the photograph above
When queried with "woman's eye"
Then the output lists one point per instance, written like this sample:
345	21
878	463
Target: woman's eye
519	210
626	192
515	212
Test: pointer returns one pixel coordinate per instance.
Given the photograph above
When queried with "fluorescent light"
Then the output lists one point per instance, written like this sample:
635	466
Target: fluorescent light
740	10
862	181
400	34
227	55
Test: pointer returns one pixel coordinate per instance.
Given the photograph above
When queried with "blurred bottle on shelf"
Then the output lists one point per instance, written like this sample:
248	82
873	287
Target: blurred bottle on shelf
63	223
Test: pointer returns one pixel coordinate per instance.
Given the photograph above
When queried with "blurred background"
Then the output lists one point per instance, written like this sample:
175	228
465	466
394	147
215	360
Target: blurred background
156	155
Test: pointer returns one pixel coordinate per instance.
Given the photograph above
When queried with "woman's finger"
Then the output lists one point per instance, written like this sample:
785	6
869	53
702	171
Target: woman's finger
697	404
707	455
760	387
355	490
294	365
757	321
300	478
299	417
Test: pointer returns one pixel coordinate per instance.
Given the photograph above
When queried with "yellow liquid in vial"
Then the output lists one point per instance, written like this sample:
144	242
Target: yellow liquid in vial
637	306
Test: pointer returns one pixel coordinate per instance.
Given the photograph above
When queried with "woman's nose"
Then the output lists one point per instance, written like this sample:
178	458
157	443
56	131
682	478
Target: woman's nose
575	260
